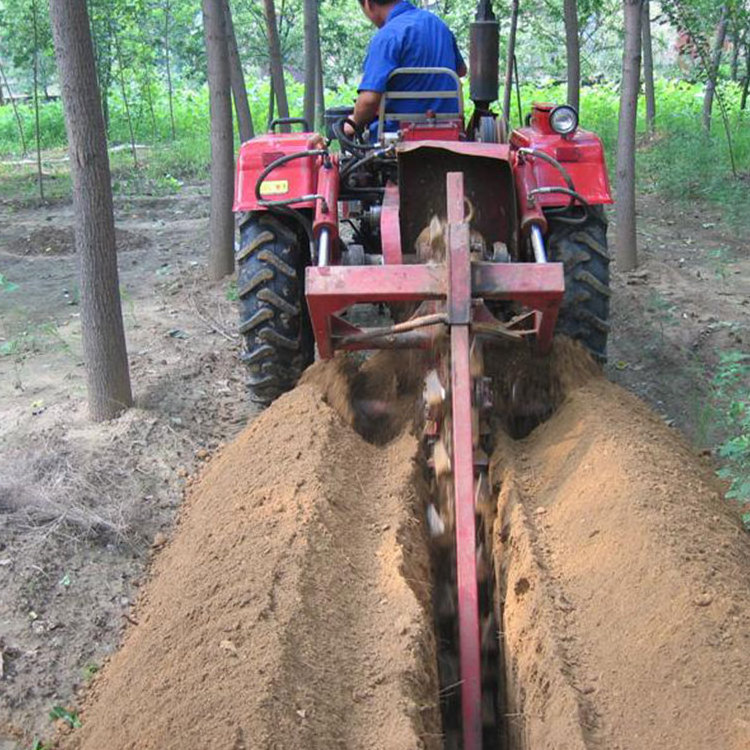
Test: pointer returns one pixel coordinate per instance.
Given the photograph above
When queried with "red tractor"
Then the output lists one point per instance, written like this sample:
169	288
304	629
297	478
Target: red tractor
469	234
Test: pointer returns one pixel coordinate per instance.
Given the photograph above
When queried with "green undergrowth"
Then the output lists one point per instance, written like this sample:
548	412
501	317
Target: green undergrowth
679	162
730	404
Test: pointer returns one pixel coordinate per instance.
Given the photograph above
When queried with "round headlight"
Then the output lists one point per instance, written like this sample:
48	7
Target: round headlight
563	119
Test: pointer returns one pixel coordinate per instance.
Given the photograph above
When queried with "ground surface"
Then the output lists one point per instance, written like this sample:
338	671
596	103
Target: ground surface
80	505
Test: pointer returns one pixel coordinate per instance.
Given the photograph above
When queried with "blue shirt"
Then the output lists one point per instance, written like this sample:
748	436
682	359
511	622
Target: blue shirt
412	38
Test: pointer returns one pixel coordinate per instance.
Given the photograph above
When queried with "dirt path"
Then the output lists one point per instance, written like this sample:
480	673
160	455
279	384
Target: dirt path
283	614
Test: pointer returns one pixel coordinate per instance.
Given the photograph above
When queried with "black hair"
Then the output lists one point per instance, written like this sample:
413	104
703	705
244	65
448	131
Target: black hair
379	2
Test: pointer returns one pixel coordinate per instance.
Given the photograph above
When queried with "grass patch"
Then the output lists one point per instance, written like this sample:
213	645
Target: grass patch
731	406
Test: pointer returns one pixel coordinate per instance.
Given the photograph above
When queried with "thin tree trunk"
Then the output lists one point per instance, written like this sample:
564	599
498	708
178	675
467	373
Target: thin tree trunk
648	67
713	71
124	93
221	227
508	91
736	44
237	78
627	245
271	102
320	102
167	9
37	129
311	59
746	87
105	355
277	66
150	102
573	50
15	111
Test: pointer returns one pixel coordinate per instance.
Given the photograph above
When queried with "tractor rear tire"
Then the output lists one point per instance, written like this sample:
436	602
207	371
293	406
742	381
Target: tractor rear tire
582	249
278	341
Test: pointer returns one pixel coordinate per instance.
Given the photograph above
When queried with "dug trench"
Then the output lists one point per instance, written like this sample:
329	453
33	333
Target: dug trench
293	607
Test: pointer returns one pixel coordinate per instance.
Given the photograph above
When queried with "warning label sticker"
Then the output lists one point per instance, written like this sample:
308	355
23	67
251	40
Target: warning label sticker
274	187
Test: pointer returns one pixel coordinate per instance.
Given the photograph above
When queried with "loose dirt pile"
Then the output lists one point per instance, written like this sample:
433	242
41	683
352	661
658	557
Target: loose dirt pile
624	582
291	610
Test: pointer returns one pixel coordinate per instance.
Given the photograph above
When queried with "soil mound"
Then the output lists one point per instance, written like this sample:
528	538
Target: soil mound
60	240
624	583
291	609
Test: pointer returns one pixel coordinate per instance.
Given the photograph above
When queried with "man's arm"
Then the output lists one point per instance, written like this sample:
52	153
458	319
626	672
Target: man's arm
366	107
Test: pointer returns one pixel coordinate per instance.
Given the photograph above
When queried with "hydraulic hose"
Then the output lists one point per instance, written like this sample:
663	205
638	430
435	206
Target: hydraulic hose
280	162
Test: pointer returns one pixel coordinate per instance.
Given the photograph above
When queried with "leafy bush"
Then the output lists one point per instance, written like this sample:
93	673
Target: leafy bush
731	397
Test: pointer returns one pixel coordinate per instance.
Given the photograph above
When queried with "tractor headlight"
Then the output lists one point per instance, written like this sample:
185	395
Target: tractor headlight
563	120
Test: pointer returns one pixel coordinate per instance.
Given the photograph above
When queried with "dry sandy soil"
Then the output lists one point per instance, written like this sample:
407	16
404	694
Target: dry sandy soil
662	563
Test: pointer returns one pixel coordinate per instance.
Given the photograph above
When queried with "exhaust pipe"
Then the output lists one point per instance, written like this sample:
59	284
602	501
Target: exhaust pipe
484	54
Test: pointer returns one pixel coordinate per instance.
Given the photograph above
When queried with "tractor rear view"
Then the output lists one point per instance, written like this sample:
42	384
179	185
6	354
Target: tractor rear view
470	236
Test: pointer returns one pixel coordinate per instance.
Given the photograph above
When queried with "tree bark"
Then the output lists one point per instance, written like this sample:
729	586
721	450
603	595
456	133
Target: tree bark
312	50
746	86
221	226
648	67
277	66
508	91
627	244
237	78
713	71
573	51
105	355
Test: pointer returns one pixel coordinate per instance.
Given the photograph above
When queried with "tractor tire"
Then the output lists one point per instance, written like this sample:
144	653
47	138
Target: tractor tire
278	341
582	249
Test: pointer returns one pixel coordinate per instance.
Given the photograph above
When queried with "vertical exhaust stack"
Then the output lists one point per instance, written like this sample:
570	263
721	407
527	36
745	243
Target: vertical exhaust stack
484	54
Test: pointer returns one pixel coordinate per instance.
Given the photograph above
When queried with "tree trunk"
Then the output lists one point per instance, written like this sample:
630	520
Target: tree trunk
320	102
573	50
37	129
124	93
221	227
13	104
167	10
237	78
746	86
736	44
713	71
277	66
311	59
106	359
271	102
648	67
508	91
627	244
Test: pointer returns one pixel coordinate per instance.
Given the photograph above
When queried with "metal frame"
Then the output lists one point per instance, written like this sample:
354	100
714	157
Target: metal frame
452	296
457	93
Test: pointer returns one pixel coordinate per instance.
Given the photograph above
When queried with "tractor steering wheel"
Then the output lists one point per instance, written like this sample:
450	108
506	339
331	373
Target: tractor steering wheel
355	144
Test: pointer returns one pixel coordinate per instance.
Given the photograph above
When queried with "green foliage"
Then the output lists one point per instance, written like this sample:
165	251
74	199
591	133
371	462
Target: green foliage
6	285
731	402
69	717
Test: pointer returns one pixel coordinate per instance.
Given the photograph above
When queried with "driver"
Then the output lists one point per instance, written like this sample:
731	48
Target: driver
407	37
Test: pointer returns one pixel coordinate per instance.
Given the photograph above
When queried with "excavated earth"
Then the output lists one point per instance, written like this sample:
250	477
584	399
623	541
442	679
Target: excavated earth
292	607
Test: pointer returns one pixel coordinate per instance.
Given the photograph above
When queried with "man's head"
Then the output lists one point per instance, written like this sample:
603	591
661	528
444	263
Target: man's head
377	10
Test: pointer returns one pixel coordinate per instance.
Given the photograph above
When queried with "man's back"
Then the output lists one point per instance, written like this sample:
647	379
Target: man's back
412	38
